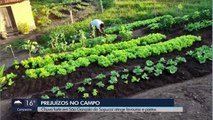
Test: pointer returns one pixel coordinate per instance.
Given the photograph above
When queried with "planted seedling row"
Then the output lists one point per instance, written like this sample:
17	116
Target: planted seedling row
108	83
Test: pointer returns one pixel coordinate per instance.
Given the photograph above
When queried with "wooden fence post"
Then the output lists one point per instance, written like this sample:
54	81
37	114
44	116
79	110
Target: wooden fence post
71	16
102	8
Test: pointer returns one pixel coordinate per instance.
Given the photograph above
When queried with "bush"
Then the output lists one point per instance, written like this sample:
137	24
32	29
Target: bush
108	3
24	28
44	21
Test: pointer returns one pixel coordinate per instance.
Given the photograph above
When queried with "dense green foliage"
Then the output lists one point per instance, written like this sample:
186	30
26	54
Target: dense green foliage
108	3
198	25
92	52
122	54
133	25
166	22
6	80
201	54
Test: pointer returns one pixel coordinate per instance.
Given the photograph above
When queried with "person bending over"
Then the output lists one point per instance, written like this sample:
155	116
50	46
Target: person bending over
98	25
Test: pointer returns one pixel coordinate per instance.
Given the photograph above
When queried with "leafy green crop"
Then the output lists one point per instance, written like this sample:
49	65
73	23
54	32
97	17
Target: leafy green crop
145	76
164	23
6	80
167	21
132	25
149	69
100	84
103	61
62	71
16	63
113	80
171	62
159	66
100	76
198	25
97	50
60	94
137	70
55	89
117	56
134	79
162	60
125	33
202	54
86	95
87	81
180	59
31	73
45	97
94	92
115	74
124	76
158	72
69	85
172	69
110	87
149	63
43	73
81	89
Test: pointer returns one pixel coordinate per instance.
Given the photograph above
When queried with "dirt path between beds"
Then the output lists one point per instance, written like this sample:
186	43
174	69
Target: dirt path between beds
194	95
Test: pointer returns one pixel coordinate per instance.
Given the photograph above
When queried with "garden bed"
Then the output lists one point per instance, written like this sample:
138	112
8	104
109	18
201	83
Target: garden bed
186	71
25	86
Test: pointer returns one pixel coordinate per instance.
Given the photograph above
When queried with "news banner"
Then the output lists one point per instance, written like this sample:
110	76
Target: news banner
95	105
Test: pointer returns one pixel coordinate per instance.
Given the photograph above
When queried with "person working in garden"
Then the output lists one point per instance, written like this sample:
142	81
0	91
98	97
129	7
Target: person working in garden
98	26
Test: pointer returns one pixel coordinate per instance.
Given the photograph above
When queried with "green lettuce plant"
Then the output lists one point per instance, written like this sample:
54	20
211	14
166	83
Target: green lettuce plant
110	87
69	85
134	79
94	92
60	94
81	89
172	69
100	76
87	81
100	84
45	97
145	76
86	95
137	70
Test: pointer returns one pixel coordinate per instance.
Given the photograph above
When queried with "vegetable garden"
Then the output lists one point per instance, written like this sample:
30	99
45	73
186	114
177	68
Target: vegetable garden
174	49
109	53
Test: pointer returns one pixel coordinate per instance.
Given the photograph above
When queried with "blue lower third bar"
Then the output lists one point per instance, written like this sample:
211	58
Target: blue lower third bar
34	105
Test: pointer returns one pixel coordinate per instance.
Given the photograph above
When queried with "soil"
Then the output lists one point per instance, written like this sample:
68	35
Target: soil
194	95
24	86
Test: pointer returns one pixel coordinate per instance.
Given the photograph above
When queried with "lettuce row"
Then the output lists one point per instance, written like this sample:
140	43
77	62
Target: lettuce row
116	56
97	50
